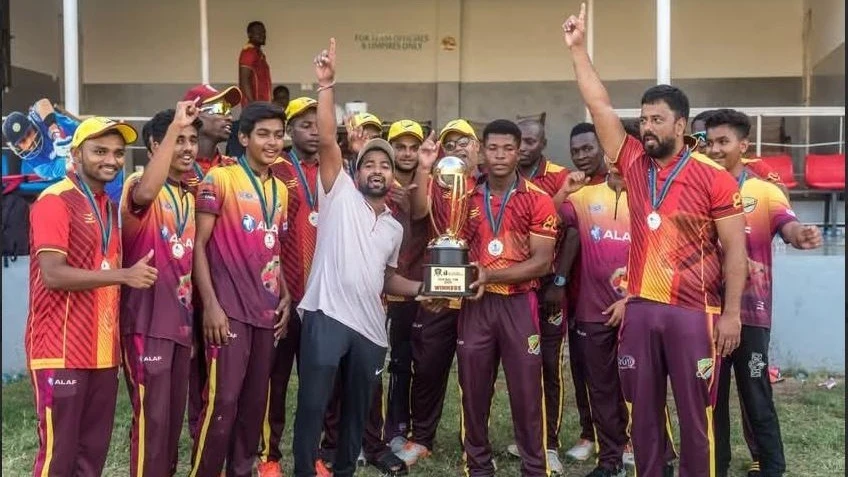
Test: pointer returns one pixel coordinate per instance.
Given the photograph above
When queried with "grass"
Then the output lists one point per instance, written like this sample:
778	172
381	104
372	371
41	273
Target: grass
812	421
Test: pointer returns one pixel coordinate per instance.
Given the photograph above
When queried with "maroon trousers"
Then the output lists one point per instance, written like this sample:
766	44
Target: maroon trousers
433	340
598	346
551	328
658	342
75	410
235	399
502	329
197	373
578	378
156	371
274	423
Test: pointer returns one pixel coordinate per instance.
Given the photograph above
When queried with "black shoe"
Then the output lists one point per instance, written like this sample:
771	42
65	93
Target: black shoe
668	470
602	472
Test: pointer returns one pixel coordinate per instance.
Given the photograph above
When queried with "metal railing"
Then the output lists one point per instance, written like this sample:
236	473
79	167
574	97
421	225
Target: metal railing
759	113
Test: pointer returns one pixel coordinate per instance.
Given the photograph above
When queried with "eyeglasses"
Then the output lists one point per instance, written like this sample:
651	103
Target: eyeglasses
220	108
460	143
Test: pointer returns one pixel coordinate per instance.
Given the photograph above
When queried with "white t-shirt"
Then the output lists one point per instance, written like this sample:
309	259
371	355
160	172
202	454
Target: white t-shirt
353	249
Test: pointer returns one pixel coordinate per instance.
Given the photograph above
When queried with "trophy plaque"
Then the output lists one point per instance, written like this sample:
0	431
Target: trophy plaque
448	274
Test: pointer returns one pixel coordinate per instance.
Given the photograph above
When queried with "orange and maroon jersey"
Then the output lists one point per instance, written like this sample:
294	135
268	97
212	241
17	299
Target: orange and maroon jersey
254	58
167	227
603	224
300	238
761	169
679	263
529	211
766	212
201	167
244	250
550	177
73	329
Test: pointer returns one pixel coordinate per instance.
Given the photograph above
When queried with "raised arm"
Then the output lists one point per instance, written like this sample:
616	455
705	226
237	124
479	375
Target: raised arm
419	198
607	123
328	149
156	172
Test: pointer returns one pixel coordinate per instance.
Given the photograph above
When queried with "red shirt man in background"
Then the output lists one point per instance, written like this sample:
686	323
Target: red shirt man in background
254	72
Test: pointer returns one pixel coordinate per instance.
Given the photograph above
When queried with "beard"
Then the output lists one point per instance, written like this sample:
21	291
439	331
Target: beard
375	191
660	148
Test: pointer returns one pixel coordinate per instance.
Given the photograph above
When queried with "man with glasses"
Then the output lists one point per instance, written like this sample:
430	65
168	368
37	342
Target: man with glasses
217	121
433	336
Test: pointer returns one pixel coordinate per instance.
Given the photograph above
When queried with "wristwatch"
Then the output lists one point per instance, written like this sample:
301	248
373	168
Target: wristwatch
559	281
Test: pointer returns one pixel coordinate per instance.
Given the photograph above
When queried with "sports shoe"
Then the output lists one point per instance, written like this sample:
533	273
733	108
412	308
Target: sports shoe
321	470
397	443
554	463
602	472
627	458
754	469
269	469
412	453
512	450
361	461
581	451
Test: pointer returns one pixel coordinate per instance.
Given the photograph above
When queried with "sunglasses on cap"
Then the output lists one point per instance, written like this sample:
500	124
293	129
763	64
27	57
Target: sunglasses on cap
700	136
220	108
459	143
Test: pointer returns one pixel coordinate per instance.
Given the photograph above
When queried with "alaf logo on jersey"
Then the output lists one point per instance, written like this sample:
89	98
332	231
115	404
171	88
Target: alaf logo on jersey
248	223
598	234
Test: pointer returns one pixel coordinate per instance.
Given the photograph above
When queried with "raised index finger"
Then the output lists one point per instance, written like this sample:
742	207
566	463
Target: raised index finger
582	16
332	51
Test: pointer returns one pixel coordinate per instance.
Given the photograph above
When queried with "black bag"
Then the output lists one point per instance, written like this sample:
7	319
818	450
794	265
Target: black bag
15	226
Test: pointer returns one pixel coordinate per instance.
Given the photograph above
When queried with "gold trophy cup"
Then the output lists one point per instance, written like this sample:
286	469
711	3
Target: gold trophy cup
448	274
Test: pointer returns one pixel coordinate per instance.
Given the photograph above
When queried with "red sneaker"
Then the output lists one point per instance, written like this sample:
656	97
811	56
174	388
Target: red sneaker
321	469
269	469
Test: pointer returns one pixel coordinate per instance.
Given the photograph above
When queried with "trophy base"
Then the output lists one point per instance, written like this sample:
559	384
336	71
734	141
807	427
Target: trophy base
449	281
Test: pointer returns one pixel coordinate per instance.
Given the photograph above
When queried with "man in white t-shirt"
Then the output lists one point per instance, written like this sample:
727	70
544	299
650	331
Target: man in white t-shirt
344	322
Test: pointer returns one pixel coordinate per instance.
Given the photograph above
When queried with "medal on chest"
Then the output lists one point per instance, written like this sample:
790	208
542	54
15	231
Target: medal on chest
654	219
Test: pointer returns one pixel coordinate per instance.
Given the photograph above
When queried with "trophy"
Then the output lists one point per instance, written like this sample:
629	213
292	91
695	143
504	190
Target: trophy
448	274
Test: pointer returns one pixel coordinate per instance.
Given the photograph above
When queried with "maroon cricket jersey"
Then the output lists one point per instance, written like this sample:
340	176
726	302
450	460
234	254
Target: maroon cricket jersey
243	250
603	225
167	227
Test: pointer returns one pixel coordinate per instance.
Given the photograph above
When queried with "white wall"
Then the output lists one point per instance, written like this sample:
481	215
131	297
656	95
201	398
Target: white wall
36	35
125	41
827	28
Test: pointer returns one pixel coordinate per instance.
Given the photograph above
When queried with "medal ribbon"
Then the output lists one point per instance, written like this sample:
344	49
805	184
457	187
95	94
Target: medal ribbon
311	197
495	223
198	170
652	180
181	215
535	169
742	178
105	232
267	216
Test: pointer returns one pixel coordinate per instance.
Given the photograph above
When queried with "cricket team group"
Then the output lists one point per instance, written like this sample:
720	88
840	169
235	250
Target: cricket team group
216	276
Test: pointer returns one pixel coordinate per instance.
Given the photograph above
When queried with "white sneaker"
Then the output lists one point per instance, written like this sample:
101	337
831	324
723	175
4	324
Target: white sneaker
627	458
554	464
397	444
581	451
412	453
360	461
512	450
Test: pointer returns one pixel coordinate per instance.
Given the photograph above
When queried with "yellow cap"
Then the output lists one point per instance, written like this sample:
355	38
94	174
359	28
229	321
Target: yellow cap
364	119
458	125
97	126
299	106
405	126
